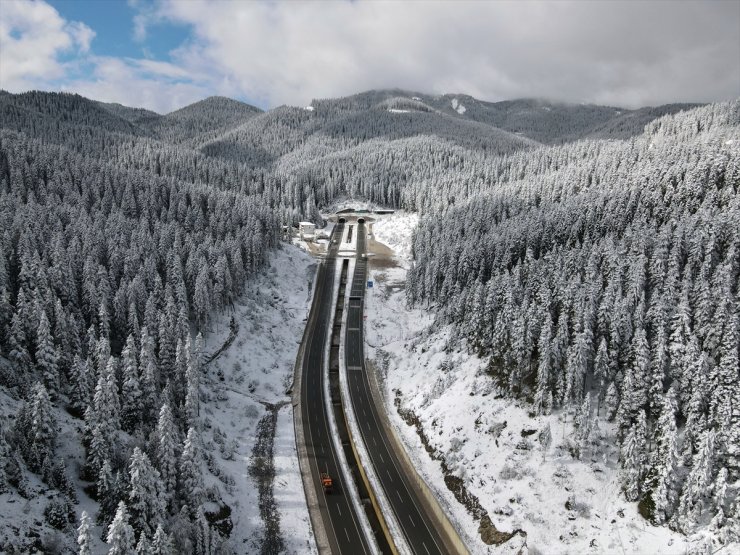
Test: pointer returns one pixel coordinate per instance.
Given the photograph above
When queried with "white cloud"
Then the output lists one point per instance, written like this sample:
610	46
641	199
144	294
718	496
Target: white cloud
613	52
291	52
33	37
158	86
36	41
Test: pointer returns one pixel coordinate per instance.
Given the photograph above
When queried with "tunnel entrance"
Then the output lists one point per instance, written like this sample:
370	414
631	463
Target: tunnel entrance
360	220
342	220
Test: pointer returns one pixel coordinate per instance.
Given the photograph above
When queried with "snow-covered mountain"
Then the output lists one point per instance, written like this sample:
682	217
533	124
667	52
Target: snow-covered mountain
595	271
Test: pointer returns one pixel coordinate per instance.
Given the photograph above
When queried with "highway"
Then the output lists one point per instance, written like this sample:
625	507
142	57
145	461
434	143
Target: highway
341	521
420	532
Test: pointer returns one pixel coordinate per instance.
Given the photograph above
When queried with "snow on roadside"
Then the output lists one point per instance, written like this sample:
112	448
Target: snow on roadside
394	231
295	523
564	505
258	368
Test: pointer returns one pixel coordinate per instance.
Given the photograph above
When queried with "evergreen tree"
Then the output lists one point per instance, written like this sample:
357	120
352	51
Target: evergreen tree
107	493
611	401
143	547
80	393
166	449
46	356
120	536
543	369
192	396
84	535
149	377
545	439
145	495
131	397
203	540
191	477
694	493
634	458
43	431
161	543
661	480
601	373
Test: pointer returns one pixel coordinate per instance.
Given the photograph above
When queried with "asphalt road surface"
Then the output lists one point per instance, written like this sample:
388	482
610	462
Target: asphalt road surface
420	533
341	521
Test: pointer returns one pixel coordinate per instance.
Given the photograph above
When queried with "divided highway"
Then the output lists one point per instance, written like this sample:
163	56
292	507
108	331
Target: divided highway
340	520
418	528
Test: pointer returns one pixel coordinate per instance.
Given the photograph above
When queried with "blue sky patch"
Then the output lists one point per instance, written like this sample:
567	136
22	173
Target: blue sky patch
113	23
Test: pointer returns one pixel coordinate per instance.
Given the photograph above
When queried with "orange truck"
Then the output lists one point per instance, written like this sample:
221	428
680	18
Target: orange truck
326	482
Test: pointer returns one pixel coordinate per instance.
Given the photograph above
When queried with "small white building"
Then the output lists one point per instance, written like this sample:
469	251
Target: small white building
307	230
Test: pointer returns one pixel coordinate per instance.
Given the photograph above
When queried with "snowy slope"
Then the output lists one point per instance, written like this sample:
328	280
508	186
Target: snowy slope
257	370
564	505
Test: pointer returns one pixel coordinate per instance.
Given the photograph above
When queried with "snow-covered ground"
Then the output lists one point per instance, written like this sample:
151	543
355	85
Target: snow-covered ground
254	372
23	523
257	369
563	504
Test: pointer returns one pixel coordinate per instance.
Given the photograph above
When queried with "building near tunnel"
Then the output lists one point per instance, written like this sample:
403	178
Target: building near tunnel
307	230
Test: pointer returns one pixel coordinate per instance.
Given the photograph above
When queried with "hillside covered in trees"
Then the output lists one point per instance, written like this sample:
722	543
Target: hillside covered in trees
601	275
602	279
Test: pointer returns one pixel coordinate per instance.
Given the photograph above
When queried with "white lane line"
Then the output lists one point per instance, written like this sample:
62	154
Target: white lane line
425	547
412	521
399	496
348	538
339	508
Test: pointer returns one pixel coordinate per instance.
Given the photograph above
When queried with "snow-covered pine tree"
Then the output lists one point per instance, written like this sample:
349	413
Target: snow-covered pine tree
166	449
543	368
46	356
42	434
80	393
84	535
143	546
161	543
660	483
131	396
146	499
190	476
120	536
634	458
694	495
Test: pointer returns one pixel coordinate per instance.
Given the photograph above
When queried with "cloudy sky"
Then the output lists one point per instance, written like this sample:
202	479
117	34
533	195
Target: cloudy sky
164	54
